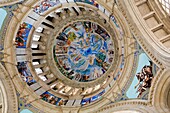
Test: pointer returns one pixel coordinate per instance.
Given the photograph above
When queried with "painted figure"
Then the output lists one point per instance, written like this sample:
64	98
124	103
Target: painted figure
86	51
145	78
45	5
22	34
25	73
50	98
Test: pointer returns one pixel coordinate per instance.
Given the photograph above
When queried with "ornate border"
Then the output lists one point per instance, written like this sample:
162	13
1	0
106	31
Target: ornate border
10	96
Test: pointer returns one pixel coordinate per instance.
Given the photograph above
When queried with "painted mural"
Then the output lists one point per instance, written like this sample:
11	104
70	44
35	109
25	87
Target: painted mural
22	35
25	73
92	99
50	98
83	51
45	5
144	73
117	25
65	59
145	77
92	2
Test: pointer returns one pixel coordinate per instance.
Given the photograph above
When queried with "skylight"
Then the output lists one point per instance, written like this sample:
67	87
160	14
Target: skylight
165	5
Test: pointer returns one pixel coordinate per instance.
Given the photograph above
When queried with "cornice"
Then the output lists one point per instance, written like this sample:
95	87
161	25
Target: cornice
18	17
11	98
161	13
124	105
9	2
144	38
160	92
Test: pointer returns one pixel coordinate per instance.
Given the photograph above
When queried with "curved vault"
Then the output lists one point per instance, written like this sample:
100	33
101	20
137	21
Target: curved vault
42	82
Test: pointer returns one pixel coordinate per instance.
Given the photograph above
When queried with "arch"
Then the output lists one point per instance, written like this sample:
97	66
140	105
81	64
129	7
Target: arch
7	3
156	103
20	85
160	98
144	31
10	104
168	98
138	106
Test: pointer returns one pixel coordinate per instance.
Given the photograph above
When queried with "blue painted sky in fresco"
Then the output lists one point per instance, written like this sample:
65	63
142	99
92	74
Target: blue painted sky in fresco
3	14
143	60
26	111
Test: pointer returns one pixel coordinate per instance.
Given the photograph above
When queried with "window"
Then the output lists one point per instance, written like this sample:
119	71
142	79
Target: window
35	63
39	29
43	78
165	5
34	46
38	70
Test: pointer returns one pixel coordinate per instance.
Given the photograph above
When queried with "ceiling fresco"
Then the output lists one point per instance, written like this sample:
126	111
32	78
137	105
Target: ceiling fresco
6	15
83	52
143	73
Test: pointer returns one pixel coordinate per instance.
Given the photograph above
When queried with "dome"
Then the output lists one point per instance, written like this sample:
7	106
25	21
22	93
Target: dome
84	56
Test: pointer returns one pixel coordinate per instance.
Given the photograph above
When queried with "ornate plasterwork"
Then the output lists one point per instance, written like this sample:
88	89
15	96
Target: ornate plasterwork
163	17
10	103
9	2
83	49
22	87
33	99
160	93
142	42
141	34
91	83
145	104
